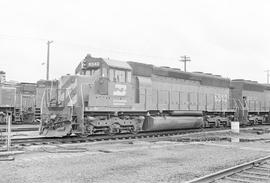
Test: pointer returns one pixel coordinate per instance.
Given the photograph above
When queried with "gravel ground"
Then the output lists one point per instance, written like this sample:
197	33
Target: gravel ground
246	134
138	161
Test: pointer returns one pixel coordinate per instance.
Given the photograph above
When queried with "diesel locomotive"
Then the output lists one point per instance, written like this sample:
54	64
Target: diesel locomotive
109	96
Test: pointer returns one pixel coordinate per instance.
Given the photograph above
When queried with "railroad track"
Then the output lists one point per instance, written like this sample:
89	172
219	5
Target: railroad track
251	172
2	130
74	139
143	135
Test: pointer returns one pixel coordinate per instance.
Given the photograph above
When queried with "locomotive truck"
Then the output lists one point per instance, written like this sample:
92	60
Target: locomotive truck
110	96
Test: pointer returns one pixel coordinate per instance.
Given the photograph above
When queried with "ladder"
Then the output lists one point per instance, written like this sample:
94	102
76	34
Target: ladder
17	115
37	113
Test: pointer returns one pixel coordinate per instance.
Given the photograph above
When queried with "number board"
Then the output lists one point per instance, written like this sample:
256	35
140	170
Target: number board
93	64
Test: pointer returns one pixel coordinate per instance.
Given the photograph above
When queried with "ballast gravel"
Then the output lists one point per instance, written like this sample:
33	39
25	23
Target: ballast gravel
136	161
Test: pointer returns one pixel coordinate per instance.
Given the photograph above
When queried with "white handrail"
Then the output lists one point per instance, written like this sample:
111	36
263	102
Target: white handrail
82	102
71	103
41	104
51	88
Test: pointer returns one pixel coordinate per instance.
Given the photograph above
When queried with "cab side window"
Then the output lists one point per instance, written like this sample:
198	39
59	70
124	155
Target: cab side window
104	72
92	72
120	76
111	74
128	77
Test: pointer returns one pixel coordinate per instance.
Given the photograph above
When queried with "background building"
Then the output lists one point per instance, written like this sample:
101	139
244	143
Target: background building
2	77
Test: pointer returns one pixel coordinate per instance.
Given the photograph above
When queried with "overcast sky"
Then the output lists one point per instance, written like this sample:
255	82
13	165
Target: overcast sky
230	38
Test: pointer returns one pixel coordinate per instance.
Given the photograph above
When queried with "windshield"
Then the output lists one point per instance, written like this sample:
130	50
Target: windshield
92	72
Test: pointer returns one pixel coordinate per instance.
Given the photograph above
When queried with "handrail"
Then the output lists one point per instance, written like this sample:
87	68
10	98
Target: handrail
82	102
235	103
42	100
71	103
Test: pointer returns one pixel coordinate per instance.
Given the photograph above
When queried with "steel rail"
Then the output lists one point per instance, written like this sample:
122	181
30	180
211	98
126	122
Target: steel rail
101	137
2	130
231	171
75	139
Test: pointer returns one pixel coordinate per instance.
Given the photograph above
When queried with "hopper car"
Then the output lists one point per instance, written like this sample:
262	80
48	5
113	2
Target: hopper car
109	96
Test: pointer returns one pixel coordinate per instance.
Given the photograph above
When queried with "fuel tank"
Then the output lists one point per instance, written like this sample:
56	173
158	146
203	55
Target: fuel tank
172	123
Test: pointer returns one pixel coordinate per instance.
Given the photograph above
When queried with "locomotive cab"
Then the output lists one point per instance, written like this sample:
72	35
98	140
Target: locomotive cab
113	81
111	89
109	95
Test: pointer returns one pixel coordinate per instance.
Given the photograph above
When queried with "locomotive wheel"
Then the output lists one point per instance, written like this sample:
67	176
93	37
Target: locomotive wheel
218	123
90	129
113	129
133	130
260	122
225	124
202	126
256	122
108	131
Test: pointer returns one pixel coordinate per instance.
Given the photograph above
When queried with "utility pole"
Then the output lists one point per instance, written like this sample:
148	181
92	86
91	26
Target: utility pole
268	74
48	59
185	59
8	118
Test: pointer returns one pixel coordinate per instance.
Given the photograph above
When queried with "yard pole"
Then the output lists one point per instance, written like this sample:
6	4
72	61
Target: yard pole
8	131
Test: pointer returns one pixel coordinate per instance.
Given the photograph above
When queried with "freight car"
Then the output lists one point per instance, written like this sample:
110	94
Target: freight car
18	99
110	96
22	100
7	100
24	111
